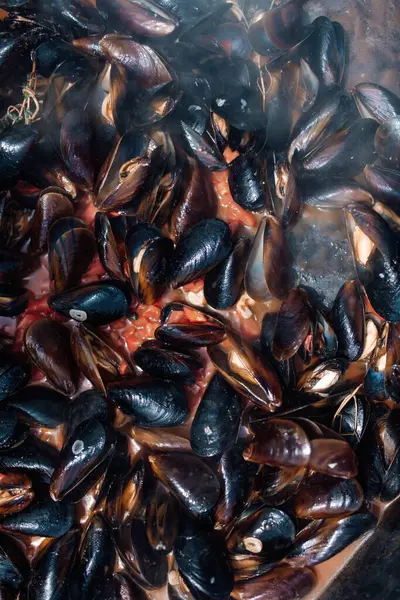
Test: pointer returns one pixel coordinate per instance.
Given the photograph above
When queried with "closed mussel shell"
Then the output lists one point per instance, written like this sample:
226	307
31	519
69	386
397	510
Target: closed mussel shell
41	405
107	247
76	144
52	568
191	335
14	375
223	284
161	519
348	319
333	457
376	102
216	422
283	580
14	566
202	561
97	303
193	483
384	184
13	300
90	404
127	589
51	205
88	446
34	457
280	442
12	431
150	402
47	343
199	250
267	531
159	360
320	497
292	325
44	518
137	18
246	183
149	256
387	142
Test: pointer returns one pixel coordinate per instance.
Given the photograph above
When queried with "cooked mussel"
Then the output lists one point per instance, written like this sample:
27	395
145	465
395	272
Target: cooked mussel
76	143
41	405
246	183
16	492
376	102
12	431
44	518
107	247
150	402
384	184
293	323
159	360
191	335
162	519
348	319
274	30
13	300
97	303
52	205
387	142
320	497
139	18
282	580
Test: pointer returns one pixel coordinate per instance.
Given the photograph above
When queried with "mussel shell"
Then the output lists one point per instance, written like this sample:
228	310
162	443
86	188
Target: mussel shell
376	102
320	497
41	405
13	300
246	184
323	377
320	541
139	18
95	560
351	419
107	247
47	343
162	519
32	457
147	566
97	303
88	446
158	360
12	431
14	567
387	142
215	425
191	481
202	561
223	284
199	250
15	145
203	148
279	582
336	196
191	335
51	206
348	320
16	492
52	568
76	143
127	589
384	184
90	404
323	49
14	375
45	518
149	402
333	457
292	324
279	442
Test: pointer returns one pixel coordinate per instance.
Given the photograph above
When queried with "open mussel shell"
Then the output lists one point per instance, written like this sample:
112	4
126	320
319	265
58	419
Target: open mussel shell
387	142
150	402
52	568
336	196
159	360
279	442
44	518
107	247
88	446
293	323
267	531
321	540
384	184
145	565
321	378
199	250
202	561
161	519
76	143
16	492
13	300
96	303
348	319
14	567
223	285
72	247
351	419
47	343
95	560
139	18
51	205
40	405
376	102
15	145
190	479
276	29
246	183
215	426
203	148
149	256
321	497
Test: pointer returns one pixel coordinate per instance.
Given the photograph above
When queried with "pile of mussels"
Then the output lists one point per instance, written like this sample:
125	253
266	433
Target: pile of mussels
114	116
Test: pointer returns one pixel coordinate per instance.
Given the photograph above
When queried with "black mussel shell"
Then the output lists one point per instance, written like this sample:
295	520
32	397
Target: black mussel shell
52	205
14	567
16	493
279	582
12	431
320	541
376	102
199	250
97	303
127	589
348	320
159	360
267	531
191	335
76	143
246	183
150	402
88	446
14	375
162	514
292	325
107	247
95	560
216	422
41	405
320	379
387	142
47	343
149	256
88	405
336	196
384	184
324	51
351	419
321	497
202	560
13	300
32	456
223	285
15	145
190	479
45	518
52	568
204	149
138	18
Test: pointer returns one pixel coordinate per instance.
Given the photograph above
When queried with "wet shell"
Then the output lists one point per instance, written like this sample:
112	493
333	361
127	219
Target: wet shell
279	443
292	325
45	518
158	360
187	335
348	319
387	142
333	457
278	583
246	184
41	405
321	497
